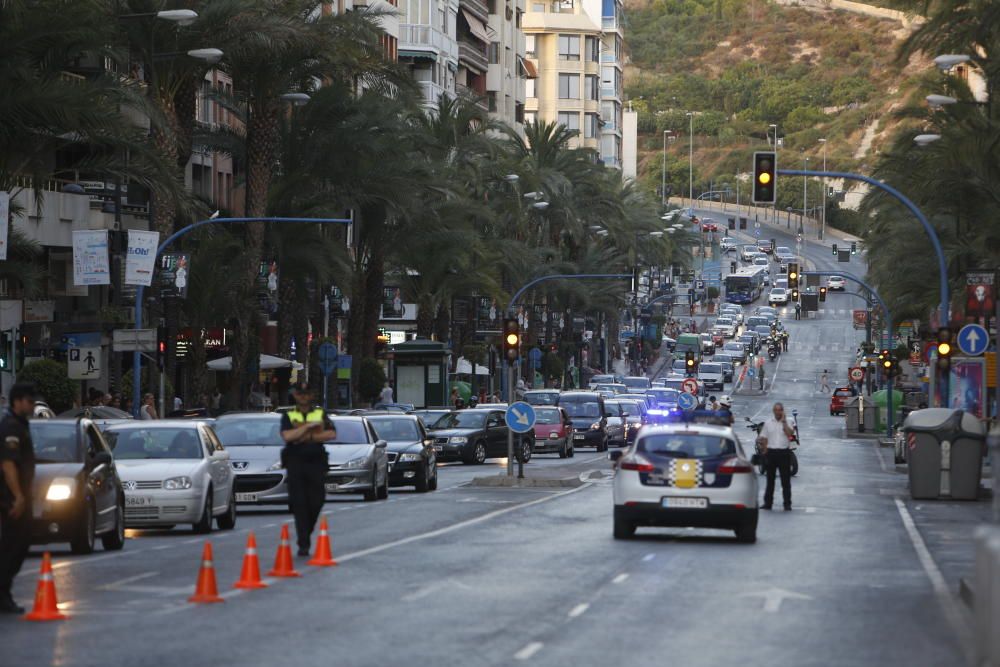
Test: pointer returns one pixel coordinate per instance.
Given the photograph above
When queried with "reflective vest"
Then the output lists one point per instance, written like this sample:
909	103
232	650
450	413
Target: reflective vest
314	415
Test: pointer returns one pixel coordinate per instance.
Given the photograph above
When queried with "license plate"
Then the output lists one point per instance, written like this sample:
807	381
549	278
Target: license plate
138	501
331	488
438	448
685	503
578	436
246	497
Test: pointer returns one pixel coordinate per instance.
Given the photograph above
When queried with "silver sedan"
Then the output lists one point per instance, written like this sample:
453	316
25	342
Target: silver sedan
358	462
254	443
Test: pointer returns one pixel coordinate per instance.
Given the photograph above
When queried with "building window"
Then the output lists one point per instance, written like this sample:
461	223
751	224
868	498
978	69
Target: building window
569	86
593	49
592	126
571	120
491	100
593	87
530	117
538	7
569	47
562	6
493	52
529	46
529	88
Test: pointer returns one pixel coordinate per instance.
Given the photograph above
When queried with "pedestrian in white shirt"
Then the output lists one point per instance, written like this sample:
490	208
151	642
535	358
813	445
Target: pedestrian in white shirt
775	440
386	395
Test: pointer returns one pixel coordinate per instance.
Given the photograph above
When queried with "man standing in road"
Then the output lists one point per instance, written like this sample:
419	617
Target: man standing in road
304	430
784	341
17	462
760	374
775	442
798	310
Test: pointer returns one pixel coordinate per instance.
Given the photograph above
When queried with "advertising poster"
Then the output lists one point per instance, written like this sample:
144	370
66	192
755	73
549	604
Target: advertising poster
967	382
140	259
979	294
860	319
392	303
487	315
91	265
4	223
174	274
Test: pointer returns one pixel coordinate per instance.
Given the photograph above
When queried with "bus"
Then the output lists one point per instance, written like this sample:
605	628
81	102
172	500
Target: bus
745	285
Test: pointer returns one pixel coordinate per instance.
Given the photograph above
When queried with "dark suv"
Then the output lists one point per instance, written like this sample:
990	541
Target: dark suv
472	436
586	411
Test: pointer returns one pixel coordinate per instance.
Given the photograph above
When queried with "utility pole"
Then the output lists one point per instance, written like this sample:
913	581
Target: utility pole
822	224
663	175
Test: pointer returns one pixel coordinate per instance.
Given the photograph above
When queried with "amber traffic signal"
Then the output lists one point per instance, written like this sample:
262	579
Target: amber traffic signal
822	294
793	275
690	363
944	348
511	339
765	173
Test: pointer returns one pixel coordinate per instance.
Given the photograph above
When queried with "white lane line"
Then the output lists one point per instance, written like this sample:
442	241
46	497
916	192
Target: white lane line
620	578
127	580
648	557
528	651
579	609
938	583
774	375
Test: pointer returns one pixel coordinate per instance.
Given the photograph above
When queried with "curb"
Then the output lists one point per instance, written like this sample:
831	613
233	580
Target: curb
502	481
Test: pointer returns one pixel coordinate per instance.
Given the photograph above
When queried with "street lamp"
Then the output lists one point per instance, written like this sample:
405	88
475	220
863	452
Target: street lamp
774	207
297	99
938	101
663	174
926	139
178	16
946	62
210	56
805	194
822	229
690	116
512	178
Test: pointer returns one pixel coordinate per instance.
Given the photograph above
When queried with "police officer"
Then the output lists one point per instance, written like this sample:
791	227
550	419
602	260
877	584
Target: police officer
725	411
775	439
304	429
17	461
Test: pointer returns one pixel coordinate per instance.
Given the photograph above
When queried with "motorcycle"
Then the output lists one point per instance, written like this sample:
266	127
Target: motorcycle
772	352
758	457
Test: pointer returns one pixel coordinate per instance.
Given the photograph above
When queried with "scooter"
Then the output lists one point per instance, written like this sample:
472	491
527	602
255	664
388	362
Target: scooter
772	352
758	458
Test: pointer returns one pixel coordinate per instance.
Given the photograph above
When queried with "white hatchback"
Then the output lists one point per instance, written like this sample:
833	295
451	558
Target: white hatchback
778	295
680	475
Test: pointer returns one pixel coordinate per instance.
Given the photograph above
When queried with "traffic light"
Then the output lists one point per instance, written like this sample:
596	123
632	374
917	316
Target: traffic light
795	294
854	248
690	363
834	249
944	348
161	346
793	275
511	339
822	294
765	173
20	352
888	363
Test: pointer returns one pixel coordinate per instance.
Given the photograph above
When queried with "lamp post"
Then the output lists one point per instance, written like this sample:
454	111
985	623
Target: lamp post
774	207
805	194
822	224
663	175
690	116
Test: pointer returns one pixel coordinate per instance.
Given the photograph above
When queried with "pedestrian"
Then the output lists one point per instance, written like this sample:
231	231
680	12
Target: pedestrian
713	404
784	341
775	440
724	415
216	400
824	381
386	396
798	310
17	461
148	409
760	374
454	398
178	403
304	429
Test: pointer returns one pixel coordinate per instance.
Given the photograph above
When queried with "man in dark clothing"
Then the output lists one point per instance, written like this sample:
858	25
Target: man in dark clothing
17	461
304	430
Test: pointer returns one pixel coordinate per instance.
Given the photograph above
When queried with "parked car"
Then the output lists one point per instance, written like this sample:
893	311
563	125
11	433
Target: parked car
174	472
553	431
586	411
78	493
409	451
254	442
542	397
474	435
838	400
429	415
685	475
358	462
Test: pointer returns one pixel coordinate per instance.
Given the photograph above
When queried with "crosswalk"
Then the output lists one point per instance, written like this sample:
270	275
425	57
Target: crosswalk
834	311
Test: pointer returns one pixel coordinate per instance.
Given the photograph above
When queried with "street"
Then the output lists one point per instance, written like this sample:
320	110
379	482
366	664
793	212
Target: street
478	576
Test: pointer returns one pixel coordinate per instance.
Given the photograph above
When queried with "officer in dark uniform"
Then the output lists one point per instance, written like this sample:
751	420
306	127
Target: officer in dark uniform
304	430
17	461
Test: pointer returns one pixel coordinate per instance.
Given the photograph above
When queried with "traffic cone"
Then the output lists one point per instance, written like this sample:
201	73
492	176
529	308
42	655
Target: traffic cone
324	554
250	576
283	559
46	604
206	590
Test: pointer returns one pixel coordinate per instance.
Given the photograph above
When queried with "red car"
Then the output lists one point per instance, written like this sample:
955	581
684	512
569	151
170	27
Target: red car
553	431
838	400
709	226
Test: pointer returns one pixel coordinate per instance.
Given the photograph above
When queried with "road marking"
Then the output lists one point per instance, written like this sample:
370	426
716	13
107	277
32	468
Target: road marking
940	586
648	557
528	651
127	580
773	597
620	578
579	609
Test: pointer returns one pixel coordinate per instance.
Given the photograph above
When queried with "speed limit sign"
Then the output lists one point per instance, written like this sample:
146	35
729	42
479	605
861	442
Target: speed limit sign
857	374
690	386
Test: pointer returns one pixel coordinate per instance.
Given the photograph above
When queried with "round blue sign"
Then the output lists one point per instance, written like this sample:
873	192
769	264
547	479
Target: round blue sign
973	340
687	401
520	417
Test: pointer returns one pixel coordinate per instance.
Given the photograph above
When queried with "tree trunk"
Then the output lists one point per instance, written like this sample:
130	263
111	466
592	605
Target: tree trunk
425	316
442	323
288	309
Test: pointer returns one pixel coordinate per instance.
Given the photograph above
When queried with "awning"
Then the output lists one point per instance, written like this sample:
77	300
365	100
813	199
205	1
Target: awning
476	27
417	55
267	363
464	367
528	67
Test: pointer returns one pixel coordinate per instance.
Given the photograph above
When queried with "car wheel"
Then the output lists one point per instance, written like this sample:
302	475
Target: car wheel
204	524
747	531
433	483
383	491
572	451
623	529
525	451
478	454
423	480
115	540
371	493
228	520
83	542
603	447
832	413
564	451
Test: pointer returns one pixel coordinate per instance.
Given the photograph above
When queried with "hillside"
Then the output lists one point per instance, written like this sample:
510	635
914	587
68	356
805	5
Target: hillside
741	65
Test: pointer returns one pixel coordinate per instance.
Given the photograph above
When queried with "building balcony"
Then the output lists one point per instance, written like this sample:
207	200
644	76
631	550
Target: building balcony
477	8
432	92
425	38
473	56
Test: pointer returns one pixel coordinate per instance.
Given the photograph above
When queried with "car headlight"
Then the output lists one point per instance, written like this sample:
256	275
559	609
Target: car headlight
177	483
357	463
553	435
61	488
595	426
458	440
409	457
275	466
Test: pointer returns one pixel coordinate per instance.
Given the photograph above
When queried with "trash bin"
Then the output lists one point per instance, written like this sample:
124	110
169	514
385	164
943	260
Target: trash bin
856	421
880	398
945	453
853	414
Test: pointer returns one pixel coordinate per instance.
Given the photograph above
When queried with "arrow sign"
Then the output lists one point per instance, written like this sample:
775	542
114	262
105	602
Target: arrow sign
520	417
773	598
973	339
687	402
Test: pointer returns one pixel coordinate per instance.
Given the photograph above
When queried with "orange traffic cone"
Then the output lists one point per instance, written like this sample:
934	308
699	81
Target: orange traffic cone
283	559
324	554
206	590
250	576
46	605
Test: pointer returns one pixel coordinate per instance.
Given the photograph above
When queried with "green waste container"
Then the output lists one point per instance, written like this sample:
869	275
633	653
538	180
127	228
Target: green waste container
881	398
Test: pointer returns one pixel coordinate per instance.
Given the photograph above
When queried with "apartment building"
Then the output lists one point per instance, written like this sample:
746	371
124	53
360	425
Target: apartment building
508	70
428	46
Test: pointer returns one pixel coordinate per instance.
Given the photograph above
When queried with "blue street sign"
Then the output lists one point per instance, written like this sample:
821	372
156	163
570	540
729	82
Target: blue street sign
344	361
327	356
520	417
751	373
973	340
686	401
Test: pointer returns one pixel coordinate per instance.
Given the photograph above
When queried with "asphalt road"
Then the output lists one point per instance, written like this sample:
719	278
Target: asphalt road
470	576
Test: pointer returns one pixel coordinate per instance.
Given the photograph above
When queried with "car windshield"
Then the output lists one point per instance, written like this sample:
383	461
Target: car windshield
612	409
236	432
461	419
664	396
783	250
779	291
542	397
584	408
636	383
686	445
735	347
154	443
394	430
429	416
55	443
349	432
547	416
678	365
602	379
710	368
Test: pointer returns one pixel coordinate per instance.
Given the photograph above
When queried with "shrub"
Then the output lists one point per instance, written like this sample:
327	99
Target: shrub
371	379
51	382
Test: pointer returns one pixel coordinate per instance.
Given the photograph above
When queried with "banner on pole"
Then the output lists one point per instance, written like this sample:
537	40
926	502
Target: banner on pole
4	223
174	275
141	258
91	265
